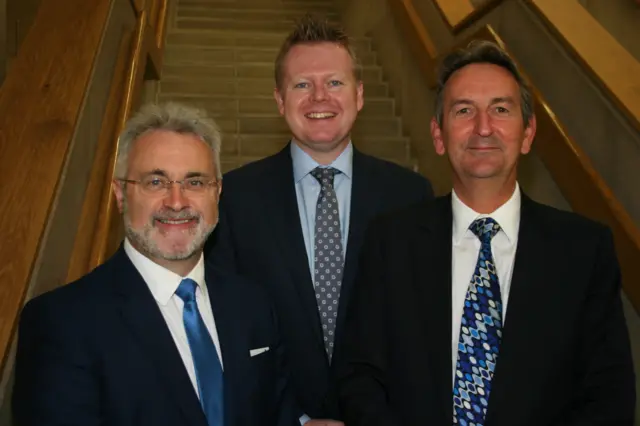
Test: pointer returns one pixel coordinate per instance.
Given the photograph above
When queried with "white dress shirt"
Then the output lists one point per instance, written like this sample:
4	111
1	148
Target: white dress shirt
465	250
163	285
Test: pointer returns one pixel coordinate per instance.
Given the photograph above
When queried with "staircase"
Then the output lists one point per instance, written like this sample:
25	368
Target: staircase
220	55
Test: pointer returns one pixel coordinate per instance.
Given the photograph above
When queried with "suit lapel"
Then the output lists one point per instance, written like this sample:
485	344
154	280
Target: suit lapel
364	202
143	317
282	207
431	267
222	307
521	319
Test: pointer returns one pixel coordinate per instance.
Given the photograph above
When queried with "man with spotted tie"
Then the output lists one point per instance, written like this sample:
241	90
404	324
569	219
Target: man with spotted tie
483	307
294	221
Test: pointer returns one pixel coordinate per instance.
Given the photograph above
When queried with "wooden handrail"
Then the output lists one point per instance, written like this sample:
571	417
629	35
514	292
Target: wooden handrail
600	54
97	237
571	169
40	103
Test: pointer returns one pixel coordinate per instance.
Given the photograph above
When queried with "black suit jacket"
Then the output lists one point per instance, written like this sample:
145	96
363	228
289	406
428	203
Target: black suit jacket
98	352
565	356
260	237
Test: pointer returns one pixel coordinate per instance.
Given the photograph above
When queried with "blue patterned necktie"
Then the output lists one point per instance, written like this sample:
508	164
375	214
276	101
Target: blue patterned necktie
204	354
480	333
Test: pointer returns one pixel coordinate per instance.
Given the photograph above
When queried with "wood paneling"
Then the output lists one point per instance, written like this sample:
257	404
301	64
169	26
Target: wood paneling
39	106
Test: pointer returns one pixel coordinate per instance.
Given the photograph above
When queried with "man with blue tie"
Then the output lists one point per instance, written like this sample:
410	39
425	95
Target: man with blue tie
155	336
483	307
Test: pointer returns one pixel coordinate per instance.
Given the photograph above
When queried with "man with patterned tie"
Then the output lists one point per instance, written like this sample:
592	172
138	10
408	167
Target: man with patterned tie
294	221
483	307
156	336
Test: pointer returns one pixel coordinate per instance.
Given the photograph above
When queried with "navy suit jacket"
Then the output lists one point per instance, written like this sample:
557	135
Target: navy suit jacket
98	352
260	237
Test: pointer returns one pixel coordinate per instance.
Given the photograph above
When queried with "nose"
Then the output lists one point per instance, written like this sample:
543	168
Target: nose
175	198
483	124
319	93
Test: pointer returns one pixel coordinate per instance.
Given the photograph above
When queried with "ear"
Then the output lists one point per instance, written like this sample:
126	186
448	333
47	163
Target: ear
279	100
219	188
118	190
436	135
360	96
529	135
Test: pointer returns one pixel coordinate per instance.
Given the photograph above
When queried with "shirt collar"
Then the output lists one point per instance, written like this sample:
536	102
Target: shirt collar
303	163
507	216
162	282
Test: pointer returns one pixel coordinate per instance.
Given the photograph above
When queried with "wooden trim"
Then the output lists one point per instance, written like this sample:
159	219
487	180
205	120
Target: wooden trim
454	11
418	37
97	194
40	103
461	14
161	25
138	6
101	248
612	67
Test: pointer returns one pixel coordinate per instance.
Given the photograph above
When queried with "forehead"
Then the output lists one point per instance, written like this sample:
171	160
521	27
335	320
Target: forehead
323	57
480	81
172	152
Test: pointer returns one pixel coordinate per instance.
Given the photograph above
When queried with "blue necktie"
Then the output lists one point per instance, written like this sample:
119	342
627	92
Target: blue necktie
480	333
204	354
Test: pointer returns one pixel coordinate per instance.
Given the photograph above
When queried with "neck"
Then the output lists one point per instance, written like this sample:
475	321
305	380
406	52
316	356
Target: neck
484	197
325	158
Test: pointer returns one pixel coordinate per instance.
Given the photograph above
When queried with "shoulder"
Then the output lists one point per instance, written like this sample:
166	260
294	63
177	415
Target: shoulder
564	223
250	171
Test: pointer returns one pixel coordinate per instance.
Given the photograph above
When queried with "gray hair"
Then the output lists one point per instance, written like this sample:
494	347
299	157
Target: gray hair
482	52
170	116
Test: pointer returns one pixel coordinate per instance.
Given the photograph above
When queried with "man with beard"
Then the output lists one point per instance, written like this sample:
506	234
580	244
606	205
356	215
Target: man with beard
484	307
156	336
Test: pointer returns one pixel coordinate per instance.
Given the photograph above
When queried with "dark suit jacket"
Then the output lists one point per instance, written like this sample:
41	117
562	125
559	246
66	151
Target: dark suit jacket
98	352
565	355
260	237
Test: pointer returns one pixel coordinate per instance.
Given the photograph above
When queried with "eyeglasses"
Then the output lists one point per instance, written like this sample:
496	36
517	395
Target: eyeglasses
157	185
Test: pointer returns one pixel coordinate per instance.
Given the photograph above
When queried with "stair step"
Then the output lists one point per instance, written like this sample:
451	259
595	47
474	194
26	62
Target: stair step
201	39
237	24
239	86
254	15
266	105
371	74
315	6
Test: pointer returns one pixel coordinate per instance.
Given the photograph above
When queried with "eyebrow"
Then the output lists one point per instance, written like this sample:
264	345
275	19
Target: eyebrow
498	100
160	172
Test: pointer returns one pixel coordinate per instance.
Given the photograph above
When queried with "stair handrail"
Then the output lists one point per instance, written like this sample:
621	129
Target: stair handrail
574	174
40	103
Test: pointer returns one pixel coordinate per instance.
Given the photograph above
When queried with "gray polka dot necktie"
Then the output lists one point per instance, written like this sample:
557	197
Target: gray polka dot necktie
329	259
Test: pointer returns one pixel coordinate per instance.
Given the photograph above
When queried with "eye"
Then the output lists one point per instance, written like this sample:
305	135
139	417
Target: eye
463	111
302	85
502	110
196	182
335	83
154	182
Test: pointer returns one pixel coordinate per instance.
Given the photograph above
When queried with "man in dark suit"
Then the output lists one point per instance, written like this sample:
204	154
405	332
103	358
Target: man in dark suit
295	220
155	336
484	307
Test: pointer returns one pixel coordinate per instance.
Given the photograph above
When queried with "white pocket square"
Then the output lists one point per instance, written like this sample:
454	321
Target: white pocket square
258	351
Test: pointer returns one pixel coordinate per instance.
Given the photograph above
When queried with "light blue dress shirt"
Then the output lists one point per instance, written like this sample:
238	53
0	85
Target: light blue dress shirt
308	190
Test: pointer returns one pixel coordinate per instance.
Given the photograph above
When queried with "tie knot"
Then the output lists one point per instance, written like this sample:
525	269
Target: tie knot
187	290
485	229
325	175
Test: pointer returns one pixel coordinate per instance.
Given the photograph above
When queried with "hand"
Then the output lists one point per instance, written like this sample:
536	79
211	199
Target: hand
323	422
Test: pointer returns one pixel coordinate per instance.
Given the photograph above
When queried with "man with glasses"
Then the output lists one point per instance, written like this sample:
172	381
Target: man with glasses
155	336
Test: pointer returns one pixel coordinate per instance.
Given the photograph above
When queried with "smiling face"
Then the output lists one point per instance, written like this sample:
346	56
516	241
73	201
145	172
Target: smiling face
482	128
320	98
168	226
